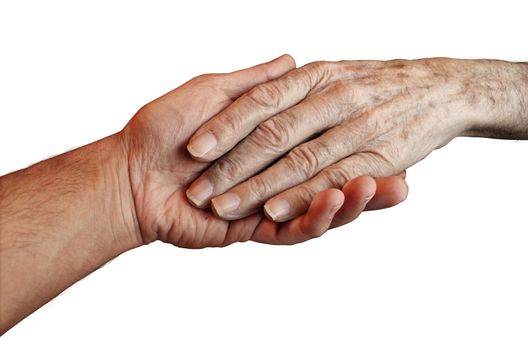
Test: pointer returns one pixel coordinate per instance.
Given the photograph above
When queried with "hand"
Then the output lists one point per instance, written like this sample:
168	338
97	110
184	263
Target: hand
336	121
161	169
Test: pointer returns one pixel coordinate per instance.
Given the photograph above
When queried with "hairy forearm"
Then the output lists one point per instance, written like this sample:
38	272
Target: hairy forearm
60	219
505	97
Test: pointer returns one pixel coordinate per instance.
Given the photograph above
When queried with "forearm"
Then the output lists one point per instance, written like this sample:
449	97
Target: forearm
61	219
504	98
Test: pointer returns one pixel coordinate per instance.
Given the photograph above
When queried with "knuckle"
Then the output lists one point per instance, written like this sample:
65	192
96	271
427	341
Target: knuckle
306	193
226	168
146	109
273	134
380	162
340	96
342	90
266	95
228	124
318	66
204	78
316	71
259	188
303	159
297	82
338	175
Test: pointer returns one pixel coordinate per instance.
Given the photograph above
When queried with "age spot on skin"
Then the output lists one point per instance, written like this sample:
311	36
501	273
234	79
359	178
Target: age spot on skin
491	100
398	64
376	99
472	98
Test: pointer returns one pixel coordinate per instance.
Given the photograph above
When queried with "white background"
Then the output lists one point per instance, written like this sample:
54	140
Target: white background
447	269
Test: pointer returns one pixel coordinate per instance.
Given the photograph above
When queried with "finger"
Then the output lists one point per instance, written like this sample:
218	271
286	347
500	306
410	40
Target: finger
365	193
299	165
310	225
294	201
241	230
234	123
269	141
390	191
242	80
358	193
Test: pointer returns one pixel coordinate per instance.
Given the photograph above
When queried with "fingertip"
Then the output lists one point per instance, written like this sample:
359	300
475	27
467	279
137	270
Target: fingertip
195	154
321	212
195	201
202	159
289	58
358	192
192	200
360	187
390	192
398	190
276	68
277	210
200	146
404	189
328	200
217	211
338	198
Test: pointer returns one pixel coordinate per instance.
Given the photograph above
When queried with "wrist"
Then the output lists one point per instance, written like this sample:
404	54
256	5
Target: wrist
122	218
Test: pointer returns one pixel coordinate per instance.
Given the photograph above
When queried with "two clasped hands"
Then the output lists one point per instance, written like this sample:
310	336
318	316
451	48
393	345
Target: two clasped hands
313	146
273	153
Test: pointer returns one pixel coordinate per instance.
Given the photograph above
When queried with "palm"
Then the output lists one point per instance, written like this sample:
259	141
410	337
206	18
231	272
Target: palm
161	168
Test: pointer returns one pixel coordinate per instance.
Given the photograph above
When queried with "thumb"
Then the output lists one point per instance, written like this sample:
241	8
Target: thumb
240	81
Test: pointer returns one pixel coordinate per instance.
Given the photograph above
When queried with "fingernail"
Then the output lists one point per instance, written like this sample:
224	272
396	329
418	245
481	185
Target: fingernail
277	209
226	203
199	192
202	144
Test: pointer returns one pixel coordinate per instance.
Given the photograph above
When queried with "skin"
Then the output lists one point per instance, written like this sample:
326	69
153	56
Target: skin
329	122
67	216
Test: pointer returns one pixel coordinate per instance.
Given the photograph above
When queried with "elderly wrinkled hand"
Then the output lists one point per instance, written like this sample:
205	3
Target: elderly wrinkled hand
329	122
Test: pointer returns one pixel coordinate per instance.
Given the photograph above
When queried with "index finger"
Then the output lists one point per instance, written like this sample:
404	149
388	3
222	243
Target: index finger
222	132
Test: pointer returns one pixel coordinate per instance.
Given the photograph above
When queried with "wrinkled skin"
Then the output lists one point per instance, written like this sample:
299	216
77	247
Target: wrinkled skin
330	122
161	169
